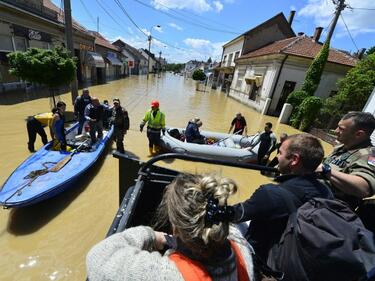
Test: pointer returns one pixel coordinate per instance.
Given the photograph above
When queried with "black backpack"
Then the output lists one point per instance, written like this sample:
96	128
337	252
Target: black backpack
323	240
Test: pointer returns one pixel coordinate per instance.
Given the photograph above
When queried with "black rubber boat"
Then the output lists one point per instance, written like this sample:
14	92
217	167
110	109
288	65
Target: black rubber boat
141	192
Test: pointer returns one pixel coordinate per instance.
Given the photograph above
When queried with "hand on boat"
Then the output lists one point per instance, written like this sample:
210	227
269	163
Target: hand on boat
163	131
141	128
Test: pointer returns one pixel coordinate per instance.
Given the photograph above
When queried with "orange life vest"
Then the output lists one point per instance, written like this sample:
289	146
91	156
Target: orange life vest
193	271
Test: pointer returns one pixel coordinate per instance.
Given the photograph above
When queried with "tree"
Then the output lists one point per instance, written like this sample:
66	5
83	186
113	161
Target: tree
354	89
314	73
52	67
198	75
370	51
209	61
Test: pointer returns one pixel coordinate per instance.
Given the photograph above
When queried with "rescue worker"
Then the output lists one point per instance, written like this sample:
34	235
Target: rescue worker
79	108
94	115
350	169
239	124
155	120
35	126
59	141
267	140
120	121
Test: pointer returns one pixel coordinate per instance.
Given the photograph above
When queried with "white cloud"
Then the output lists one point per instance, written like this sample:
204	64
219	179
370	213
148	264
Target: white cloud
358	21
195	5
175	26
202	48
218	6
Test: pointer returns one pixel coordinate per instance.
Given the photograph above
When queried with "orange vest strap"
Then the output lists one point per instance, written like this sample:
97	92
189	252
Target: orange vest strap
192	270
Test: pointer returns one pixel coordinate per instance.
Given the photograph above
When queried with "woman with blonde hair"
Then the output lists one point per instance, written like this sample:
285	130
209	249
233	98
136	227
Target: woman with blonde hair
203	246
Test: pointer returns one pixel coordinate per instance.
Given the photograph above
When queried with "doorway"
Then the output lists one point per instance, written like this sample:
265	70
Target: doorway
287	89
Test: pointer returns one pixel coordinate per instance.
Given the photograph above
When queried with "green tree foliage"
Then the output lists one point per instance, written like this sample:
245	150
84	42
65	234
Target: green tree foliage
308	111
52	67
295	99
370	51
199	75
175	67
315	70
354	89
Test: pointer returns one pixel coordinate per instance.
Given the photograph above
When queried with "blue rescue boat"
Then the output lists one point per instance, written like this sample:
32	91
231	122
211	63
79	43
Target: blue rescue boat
34	180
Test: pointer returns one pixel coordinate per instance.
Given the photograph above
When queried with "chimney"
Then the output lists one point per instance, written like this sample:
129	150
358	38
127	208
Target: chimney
361	52
317	33
291	17
300	33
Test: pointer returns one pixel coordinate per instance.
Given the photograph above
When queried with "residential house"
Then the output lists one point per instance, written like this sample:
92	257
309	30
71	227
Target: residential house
370	107
151	60
275	28
136	62
114	67
37	23
193	65
274	71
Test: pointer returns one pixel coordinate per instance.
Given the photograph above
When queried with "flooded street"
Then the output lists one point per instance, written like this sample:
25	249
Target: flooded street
49	241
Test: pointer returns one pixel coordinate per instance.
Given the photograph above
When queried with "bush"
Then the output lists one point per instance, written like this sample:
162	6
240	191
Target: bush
308	111
199	75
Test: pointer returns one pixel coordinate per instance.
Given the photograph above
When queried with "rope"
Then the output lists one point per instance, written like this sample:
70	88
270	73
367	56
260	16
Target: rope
32	176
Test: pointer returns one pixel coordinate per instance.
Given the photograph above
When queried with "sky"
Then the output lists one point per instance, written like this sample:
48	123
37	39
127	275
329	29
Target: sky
197	29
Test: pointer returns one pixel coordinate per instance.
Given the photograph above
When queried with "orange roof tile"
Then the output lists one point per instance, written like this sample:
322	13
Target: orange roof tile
100	40
301	46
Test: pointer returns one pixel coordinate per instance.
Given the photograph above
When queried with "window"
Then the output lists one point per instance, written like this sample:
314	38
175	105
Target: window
236	55
38	44
240	76
230	60
225	60
20	43
6	44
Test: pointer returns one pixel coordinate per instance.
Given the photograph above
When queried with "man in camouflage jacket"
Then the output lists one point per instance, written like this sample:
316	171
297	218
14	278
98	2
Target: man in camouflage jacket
120	121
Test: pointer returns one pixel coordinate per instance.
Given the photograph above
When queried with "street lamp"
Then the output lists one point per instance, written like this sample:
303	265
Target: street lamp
149	49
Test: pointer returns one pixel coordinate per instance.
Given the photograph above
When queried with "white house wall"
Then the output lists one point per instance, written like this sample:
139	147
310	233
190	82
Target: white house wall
232	49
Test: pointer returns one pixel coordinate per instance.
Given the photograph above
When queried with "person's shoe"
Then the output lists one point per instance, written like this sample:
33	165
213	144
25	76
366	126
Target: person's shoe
151	151
31	148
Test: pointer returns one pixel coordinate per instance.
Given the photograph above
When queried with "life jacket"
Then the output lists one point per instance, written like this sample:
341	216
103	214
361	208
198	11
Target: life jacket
44	118
192	270
157	122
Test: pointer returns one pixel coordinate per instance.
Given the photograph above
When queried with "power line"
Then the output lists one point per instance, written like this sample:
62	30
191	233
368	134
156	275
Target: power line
350	35
129	17
135	24
105	10
187	21
87	11
367	9
184	14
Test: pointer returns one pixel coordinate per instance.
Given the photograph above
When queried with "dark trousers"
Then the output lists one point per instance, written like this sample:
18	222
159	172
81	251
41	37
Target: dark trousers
118	135
96	127
35	127
81	121
153	136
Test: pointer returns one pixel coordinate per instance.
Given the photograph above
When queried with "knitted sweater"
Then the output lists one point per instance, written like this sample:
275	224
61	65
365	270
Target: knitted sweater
130	255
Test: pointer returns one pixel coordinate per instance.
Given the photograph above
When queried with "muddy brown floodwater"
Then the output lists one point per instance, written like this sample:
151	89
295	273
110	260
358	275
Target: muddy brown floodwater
49	241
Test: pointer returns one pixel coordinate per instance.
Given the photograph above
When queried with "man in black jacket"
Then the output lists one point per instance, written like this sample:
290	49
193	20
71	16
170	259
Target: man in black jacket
120	121
299	156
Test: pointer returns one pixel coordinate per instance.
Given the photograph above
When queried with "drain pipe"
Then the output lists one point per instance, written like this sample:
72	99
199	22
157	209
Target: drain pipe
277	78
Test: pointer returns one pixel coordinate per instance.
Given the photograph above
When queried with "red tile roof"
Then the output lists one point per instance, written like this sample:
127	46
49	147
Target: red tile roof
100	40
301	46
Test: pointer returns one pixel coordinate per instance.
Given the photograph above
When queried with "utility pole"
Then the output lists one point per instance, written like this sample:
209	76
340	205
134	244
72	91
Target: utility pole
97	24
159	65
340	6
69	44
148	55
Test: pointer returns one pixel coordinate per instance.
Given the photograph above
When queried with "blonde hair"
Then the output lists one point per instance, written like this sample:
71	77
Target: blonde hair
184	205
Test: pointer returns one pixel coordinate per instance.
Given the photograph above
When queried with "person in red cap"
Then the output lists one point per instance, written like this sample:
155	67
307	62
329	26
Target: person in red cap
155	120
